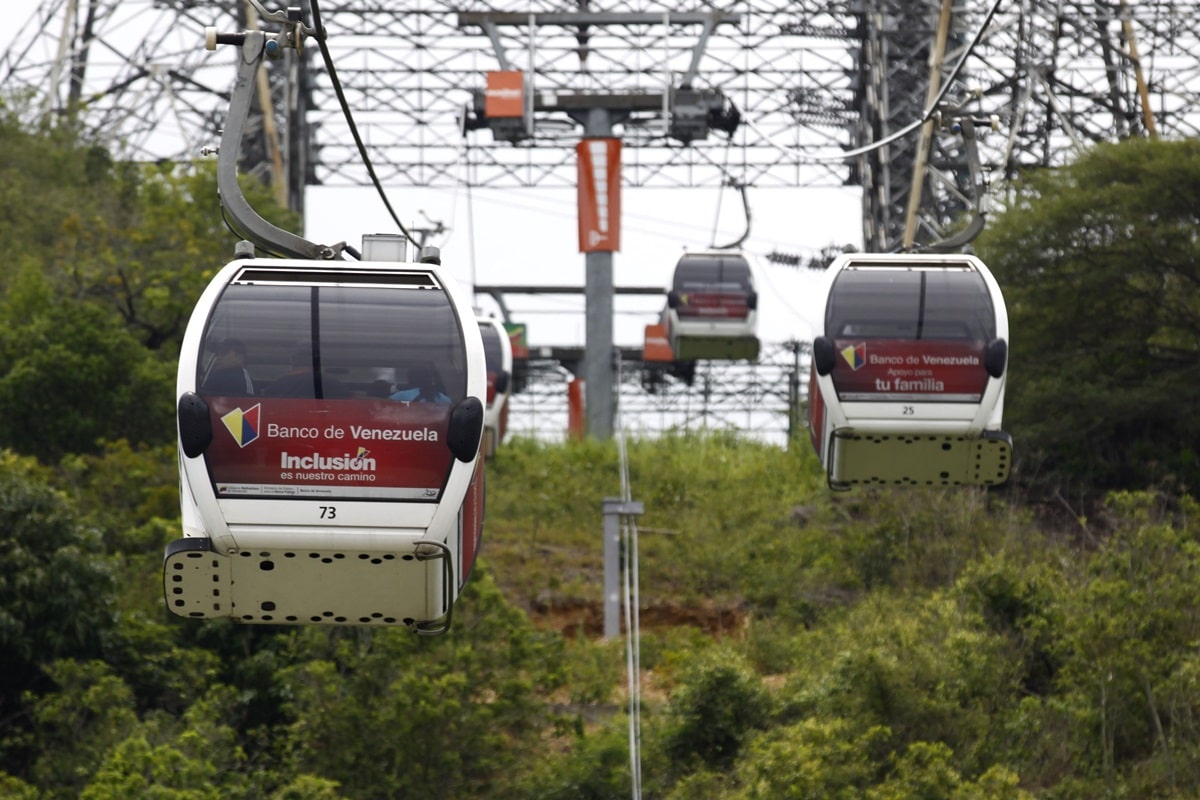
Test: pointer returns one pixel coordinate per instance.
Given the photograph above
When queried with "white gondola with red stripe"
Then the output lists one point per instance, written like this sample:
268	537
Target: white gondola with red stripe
330	418
909	367
712	308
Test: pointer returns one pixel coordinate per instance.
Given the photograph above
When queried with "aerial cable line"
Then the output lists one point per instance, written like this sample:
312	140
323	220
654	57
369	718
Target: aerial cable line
632	603
319	33
907	129
741	187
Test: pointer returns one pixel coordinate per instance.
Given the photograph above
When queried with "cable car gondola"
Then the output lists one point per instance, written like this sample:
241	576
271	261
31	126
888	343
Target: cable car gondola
330	417
908	372
498	355
712	308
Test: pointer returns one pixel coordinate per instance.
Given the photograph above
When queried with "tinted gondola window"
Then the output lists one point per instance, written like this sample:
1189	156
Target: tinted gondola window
712	273
899	303
335	342
354	384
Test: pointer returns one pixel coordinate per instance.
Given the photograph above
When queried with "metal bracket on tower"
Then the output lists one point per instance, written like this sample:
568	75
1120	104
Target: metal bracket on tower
255	46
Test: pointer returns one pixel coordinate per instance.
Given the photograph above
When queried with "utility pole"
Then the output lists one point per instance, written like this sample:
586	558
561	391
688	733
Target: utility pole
599	406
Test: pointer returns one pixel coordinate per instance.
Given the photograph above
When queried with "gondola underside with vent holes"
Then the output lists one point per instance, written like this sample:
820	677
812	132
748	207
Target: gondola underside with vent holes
290	586
896	460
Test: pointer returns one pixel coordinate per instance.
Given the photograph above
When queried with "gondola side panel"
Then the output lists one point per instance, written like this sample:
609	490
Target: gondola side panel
472	524
816	414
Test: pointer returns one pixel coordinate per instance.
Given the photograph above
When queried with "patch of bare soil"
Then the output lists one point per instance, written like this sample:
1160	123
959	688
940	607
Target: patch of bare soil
575	617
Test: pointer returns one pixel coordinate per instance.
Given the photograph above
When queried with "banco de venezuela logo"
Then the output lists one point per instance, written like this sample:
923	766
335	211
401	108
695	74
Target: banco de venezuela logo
243	425
855	355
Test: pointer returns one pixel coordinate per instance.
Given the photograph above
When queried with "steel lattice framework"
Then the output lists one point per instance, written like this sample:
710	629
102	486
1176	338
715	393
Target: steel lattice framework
830	93
810	80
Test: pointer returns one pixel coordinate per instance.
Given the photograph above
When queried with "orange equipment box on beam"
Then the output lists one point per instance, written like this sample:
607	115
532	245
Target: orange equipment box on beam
657	347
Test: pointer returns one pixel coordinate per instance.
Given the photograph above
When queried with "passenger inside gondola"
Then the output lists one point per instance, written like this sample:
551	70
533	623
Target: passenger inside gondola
228	375
304	381
423	386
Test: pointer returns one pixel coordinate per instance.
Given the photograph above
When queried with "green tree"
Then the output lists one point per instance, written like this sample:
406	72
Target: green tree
717	706
55	589
1127	653
139	240
71	376
388	714
828	758
1100	265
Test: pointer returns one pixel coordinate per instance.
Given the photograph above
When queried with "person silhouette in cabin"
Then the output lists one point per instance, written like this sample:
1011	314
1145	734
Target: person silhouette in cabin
228	375
303	381
424	386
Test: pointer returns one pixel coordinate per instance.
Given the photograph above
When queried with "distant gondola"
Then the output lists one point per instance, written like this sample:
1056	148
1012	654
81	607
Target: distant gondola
909	366
330	418
498	355
712	308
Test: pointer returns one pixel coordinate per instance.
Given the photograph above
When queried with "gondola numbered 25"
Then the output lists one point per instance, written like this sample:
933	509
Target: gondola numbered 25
909	365
330	417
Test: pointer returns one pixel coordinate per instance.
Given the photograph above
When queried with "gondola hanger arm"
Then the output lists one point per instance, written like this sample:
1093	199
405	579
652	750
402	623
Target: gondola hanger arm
255	46
965	126
735	244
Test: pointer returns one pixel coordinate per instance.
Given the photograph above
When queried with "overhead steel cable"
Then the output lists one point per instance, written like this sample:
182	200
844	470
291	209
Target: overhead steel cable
926	115
320	35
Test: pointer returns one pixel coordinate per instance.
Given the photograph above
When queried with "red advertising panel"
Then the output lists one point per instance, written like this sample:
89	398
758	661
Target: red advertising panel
505	94
713	305
816	414
491	387
909	369
599	195
281	448
471	520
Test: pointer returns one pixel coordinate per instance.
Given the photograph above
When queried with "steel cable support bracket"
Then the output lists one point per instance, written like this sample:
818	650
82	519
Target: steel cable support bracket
255	46
965	126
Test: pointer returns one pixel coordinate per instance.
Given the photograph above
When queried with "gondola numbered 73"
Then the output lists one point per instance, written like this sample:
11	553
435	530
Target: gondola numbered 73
909	366
330	419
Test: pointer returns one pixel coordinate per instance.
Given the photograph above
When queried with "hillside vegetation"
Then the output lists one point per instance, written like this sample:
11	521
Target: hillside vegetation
1034	641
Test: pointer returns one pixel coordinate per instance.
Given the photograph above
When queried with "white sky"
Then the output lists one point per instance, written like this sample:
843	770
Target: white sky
528	236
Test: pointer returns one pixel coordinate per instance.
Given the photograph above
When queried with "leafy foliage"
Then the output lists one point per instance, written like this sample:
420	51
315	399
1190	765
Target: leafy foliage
1100	265
55	583
71	376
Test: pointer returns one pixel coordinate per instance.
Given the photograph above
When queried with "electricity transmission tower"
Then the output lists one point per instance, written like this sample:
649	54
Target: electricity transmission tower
826	92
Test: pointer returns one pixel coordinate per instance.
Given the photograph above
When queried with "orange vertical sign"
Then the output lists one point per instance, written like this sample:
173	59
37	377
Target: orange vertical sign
505	94
599	195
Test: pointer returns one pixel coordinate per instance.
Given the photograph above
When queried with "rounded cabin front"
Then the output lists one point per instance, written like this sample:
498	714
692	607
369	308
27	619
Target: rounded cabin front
911	346
331	416
712	308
